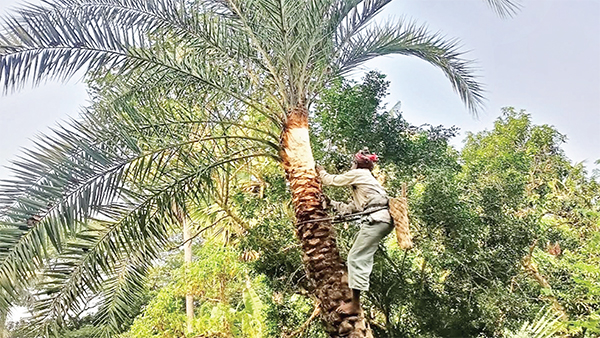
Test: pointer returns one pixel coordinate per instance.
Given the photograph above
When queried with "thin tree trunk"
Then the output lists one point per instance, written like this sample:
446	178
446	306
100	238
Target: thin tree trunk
325	269
532	269
187	259
3	330
187	249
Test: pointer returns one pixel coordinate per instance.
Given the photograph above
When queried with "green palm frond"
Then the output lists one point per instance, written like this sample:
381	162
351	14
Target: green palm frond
245	50
505	8
127	174
58	40
123	293
348	18
290	37
412	40
151	110
79	273
546	324
51	194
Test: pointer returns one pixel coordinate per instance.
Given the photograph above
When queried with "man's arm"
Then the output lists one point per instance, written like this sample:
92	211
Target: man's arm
341	180
343	208
338	181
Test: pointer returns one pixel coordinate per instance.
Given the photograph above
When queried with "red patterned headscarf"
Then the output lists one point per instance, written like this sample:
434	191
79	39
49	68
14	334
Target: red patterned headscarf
365	160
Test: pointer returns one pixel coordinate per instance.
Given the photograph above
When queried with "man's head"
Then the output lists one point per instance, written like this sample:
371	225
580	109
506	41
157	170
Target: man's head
364	159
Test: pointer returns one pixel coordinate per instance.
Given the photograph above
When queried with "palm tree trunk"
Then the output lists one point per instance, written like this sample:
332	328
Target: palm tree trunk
324	267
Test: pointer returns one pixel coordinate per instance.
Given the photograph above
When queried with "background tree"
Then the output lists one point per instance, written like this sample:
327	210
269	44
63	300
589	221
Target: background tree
228	303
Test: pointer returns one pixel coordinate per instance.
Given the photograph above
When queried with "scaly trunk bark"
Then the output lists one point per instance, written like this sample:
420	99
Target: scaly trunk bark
325	269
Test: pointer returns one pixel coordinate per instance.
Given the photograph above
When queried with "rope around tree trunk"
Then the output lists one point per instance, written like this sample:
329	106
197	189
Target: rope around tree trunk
344	218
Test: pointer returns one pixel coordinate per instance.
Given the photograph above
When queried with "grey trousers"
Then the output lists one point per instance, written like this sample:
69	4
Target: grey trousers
360	257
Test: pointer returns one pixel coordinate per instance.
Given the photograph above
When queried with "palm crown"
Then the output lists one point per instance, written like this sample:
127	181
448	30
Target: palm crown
189	90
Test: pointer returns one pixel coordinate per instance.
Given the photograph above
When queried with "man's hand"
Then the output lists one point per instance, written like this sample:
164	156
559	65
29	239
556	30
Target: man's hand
319	168
326	202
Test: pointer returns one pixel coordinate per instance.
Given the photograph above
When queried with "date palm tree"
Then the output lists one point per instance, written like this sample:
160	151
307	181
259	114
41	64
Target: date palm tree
240	61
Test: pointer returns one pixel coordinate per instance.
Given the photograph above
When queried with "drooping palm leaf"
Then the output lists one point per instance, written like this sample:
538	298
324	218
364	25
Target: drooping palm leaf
504	8
58	40
127	173
406	38
122	294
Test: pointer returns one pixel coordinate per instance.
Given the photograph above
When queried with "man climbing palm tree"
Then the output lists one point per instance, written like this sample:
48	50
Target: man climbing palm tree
251	60
367	195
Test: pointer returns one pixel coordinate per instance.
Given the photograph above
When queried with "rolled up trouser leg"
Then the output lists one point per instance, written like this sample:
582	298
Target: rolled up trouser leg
360	257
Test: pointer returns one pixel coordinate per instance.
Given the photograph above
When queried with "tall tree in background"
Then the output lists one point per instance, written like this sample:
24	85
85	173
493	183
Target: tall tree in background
265	58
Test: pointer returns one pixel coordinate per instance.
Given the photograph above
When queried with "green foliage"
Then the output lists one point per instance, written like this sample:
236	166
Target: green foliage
575	278
253	324
351	116
227	303
163	317
126	165
546	325
81	327
474	219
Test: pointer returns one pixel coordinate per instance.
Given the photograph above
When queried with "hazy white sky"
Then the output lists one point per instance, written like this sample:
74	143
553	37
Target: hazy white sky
545	60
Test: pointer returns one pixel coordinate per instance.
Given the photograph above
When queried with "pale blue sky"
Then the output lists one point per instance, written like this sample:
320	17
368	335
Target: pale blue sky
545	60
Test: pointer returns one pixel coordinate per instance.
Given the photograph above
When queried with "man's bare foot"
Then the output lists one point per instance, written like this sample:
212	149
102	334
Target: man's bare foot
349	308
